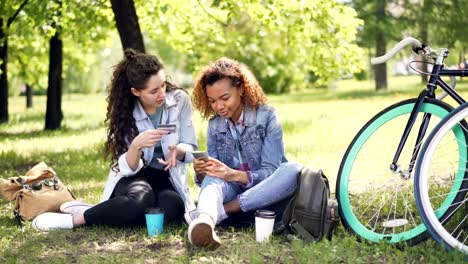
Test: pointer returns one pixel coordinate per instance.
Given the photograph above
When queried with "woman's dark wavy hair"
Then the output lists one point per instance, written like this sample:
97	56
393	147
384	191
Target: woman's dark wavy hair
133	71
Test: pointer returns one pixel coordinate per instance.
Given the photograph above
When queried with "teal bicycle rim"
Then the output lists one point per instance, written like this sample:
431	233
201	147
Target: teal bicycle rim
346	208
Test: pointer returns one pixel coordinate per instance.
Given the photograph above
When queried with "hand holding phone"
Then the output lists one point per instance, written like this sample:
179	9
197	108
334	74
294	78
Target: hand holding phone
200	154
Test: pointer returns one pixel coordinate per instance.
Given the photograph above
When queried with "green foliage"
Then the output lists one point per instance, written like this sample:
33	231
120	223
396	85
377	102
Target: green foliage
446	25
390	23
84	28
361	76
445	21
281	41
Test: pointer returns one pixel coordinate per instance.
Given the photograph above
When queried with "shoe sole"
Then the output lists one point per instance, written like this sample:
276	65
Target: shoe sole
34	225
187	218
45	224
73	204
202	236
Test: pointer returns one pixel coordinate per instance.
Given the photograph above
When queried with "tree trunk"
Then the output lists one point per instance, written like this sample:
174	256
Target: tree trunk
29	94
126	21
4	63
3	76
54	90
380	48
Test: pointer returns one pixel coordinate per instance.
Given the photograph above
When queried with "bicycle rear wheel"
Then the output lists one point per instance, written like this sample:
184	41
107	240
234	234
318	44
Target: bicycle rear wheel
376	203
441	182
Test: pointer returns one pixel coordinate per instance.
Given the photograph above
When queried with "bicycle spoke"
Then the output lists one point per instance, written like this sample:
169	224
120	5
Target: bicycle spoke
459	205
376	215
463	220
445	195
408	209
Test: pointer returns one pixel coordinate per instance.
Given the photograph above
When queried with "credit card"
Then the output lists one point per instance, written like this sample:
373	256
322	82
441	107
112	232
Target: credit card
169	127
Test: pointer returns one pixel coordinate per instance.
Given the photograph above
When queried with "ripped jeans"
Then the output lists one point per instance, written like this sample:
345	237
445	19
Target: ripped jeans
215	192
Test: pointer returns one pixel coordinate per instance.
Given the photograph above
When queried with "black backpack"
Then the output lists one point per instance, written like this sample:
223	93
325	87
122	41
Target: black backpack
311	214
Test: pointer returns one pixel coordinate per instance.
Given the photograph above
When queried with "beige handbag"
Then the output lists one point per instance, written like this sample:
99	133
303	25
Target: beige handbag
37	192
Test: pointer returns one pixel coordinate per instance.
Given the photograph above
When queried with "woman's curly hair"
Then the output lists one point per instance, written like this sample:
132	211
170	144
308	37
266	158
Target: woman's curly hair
133	71
240	76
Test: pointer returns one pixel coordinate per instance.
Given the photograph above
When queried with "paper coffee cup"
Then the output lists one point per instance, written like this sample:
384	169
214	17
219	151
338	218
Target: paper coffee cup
264	222
154	221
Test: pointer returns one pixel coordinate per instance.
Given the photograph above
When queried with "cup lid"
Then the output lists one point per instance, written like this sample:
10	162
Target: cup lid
154	210
265	214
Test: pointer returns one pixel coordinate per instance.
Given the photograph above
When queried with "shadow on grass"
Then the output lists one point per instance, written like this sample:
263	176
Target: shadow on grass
26	116
71	165
39	117
65	131
98	244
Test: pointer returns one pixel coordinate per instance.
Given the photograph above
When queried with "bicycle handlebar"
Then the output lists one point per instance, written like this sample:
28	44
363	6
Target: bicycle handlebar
405	42
417	47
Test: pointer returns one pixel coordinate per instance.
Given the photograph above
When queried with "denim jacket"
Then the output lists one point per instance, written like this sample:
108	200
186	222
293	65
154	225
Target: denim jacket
177	109
261	141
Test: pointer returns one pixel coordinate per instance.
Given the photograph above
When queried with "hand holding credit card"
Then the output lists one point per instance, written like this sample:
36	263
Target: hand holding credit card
169	127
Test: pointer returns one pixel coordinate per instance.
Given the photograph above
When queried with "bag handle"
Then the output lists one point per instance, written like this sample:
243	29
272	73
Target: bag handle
19	220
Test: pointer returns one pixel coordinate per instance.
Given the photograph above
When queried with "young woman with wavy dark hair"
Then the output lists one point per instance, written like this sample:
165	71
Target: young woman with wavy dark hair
246	169
148	164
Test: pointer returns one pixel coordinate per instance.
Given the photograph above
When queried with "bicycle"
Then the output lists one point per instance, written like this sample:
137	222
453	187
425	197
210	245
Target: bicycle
436	186
374	187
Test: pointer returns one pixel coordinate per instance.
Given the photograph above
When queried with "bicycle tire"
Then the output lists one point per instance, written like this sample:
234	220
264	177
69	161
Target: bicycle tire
448	190
360	204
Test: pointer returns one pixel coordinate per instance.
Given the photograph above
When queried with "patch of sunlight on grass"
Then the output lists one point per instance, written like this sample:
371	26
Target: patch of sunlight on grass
53	143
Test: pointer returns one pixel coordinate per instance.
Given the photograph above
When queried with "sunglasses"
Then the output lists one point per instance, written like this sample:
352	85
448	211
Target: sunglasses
37	186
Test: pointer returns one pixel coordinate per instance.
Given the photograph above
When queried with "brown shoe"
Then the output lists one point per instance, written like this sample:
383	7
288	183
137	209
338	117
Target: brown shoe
201	234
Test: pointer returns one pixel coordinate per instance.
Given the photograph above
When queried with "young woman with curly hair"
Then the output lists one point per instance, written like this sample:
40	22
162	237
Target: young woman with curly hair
246	168
148	164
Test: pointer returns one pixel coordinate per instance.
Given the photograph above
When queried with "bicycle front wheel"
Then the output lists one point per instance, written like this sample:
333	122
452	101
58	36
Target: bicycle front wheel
375	202
441	181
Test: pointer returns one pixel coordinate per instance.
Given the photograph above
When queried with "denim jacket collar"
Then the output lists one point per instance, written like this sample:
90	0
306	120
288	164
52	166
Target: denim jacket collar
250	119
140	114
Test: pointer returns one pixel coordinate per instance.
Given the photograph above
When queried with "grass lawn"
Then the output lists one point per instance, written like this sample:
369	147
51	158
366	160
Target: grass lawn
318	126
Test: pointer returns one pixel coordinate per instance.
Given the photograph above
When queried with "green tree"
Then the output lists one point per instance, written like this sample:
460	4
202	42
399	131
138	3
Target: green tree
437	23
66	17
381	26
8	14
56	23
283	42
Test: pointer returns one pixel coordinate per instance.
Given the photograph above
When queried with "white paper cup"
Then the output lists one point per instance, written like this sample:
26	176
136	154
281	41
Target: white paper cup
264	221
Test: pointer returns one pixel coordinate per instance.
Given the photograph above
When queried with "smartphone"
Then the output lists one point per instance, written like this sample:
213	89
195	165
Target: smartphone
169	127
200	154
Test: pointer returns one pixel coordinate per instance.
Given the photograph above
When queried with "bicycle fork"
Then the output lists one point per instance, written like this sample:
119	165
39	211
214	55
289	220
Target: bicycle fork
429	93
406	174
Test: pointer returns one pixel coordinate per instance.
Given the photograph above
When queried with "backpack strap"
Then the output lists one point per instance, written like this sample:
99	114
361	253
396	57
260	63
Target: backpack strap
325	179
301	231
18	218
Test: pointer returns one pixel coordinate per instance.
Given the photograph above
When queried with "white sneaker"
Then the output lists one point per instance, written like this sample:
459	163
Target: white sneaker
201	234
75	207
190	215
52	221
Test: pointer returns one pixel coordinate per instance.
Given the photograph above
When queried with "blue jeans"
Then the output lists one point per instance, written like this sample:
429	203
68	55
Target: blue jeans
215	192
